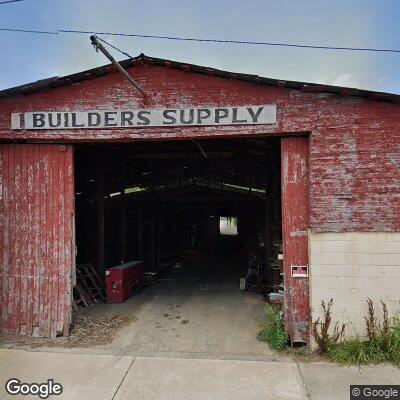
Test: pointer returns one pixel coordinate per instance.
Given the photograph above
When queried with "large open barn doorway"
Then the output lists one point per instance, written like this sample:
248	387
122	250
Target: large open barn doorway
202	215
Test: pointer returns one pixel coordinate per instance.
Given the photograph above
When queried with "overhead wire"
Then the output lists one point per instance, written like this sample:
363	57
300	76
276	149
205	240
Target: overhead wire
10	1
202	40
29	31
259	43
115	47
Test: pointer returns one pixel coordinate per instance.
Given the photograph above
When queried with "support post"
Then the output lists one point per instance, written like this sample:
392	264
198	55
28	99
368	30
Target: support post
99	46
295	223
123	215
152	237
100	213
268	240
140	231
269	194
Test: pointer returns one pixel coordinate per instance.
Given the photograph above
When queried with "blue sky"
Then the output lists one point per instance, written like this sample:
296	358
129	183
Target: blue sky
356	23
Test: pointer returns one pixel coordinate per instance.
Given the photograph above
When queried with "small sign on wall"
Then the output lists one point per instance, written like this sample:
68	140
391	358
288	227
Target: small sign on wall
299	271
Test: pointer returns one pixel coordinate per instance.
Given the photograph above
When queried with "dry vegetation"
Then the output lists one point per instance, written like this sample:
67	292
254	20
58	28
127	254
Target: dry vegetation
86	331
382	342
321	329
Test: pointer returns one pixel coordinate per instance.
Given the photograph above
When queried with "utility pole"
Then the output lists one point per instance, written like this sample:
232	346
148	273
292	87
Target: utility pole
99	46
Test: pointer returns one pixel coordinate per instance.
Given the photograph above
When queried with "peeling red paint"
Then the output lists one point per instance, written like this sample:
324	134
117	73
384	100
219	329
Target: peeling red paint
354	142
295	222
354	171
36	251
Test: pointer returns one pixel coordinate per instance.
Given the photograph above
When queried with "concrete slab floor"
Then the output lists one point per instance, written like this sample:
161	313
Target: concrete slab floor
197	311
188	320
326	381
82	376
154	378
107	377
104	377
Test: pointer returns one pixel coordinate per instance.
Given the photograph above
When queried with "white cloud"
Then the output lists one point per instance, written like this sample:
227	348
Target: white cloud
353	81
347	80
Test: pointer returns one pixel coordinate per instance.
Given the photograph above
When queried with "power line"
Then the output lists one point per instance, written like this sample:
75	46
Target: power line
276	44
114	47
28	31
243	42
10	1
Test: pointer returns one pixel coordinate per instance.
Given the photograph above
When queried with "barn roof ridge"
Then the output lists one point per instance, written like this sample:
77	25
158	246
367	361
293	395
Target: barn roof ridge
77	77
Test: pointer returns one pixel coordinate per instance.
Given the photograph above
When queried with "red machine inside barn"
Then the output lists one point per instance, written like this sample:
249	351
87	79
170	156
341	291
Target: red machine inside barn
123	281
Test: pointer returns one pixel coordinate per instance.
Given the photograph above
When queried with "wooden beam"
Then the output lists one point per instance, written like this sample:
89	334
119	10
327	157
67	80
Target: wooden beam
153	238
180	155
123	214
269	182
140	231
159	240
100	213
99	46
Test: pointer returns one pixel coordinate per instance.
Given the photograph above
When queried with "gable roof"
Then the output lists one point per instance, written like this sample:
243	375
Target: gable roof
142	58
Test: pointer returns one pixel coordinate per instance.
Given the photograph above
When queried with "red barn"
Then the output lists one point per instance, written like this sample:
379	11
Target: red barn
92	169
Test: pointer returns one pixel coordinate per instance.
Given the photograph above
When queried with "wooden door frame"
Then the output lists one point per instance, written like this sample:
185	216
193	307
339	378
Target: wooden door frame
295	224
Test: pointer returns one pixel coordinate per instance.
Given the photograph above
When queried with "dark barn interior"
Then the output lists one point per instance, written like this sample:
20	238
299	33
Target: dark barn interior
164	202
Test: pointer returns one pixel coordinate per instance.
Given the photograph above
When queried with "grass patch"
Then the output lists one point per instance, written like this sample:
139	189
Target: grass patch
301	354
273	331
381	345
356	351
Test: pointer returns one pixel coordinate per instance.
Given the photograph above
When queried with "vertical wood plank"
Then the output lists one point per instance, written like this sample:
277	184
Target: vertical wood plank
100	214
2	234
295	224
36	218
37	205
14	299
62	277
140	230
69	238
123	212
44	186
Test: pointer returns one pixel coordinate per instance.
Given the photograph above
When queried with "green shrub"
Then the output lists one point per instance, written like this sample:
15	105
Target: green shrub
273	331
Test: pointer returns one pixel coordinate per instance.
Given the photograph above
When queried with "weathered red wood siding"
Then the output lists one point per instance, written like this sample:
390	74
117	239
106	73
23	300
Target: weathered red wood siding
354	142
295	223
36	238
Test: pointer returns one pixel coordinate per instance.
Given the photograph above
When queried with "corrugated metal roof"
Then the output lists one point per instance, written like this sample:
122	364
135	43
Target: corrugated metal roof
141	58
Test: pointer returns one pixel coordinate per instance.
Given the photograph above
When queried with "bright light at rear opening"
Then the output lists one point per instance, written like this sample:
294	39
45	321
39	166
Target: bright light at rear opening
228	226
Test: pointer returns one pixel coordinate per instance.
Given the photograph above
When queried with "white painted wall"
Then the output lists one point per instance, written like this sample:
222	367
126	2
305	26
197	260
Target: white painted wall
351	267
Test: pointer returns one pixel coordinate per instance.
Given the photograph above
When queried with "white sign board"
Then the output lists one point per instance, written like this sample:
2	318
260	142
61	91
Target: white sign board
166	117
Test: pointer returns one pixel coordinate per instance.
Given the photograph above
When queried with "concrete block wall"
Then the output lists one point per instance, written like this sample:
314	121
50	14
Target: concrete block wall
351	267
